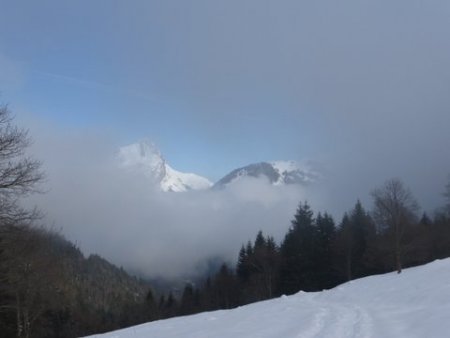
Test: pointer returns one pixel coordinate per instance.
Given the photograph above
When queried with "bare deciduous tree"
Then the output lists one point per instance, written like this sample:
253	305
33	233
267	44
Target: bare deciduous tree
394	209
19	176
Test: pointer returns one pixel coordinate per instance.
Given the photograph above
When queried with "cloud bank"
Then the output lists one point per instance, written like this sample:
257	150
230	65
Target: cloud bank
123	217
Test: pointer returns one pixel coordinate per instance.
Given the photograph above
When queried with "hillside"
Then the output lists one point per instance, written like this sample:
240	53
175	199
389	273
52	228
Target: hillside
65	294
415	303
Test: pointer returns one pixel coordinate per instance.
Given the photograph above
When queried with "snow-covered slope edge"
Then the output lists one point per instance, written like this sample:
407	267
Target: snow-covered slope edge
415	303
145	157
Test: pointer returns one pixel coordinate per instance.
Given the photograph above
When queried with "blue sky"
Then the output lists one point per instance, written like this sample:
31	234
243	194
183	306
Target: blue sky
221	84
141	69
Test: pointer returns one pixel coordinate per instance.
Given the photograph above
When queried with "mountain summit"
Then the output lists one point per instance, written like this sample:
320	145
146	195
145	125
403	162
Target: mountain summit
277	173
145	157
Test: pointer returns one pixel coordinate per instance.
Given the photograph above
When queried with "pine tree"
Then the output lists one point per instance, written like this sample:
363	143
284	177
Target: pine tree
260	241
187	305
249	248
171	306
363	231
242	268
161	304
297	251
151	306
326	231
425	220
225	288
264	266
345	245
355	243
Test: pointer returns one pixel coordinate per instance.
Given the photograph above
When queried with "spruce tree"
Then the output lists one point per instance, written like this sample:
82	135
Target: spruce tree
297	251
323	257
260	241
355	243
242	268
363	231
187	305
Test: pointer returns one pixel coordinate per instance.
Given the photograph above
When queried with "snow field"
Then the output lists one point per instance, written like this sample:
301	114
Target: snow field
415	303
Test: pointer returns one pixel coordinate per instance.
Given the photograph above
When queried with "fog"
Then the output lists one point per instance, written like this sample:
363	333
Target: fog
359	88
120	215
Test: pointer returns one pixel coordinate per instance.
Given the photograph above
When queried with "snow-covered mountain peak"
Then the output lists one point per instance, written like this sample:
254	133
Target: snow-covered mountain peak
143	156
148	148
146	158
292	172
283	166
143	152
276	172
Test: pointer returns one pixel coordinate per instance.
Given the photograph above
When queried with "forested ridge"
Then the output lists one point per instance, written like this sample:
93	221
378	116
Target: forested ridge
58	292
48	288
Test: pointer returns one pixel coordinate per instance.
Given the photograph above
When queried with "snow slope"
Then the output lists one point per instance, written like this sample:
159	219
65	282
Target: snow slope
146	158
415	303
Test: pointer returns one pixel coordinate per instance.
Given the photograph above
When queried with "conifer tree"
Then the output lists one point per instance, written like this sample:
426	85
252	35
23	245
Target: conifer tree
363	231
325	230
296	251
171	306
344	244
249	248
260	241
187	305
225	288
242	268
151	308
355	241
425	220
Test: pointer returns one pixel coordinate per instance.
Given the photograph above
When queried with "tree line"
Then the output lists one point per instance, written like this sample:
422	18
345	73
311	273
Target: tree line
317	253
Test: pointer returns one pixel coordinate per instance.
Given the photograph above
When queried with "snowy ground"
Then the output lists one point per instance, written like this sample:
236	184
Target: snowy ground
415	303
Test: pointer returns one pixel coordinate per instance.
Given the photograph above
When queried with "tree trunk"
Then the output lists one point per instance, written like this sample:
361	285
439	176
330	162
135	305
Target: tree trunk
26	324
19	316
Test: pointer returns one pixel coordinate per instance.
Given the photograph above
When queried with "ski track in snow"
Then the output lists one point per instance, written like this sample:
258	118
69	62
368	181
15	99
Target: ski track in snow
338	321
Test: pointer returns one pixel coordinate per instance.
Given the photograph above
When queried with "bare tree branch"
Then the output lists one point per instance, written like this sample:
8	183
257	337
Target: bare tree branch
394	209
